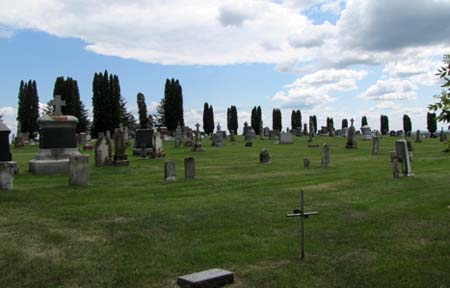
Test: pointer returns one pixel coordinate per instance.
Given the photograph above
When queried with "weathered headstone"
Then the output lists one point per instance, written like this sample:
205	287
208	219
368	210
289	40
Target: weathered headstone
351	138
178	136
264	157
375	145
286	138
169	171
249	133
120	158
344	132
366	133
158	149
103	151
325	155
418	139
402	153
57	141
189	168
306	163
213	278
143	137
7	172
395	168
79	170
83	138
108	135
217	139
198	147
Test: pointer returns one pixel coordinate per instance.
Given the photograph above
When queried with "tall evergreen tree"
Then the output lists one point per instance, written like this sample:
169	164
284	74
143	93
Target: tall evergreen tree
229	119
28	107
233	119
314	119
384	124
142	108
258	121
208	118
69	92
211	119
344	123
253	117
431	123
407	126
364	121
330	124
296	119
160	119
276	120
173	104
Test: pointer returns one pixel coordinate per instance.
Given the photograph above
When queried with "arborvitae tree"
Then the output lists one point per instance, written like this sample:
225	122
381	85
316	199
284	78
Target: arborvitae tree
384	124
160	119
431	123
258	121
211	119
234	119
28	107
299	118
253	117
118	111
407	126
142	108
276	120
330	124
364	121
344	123
173	104
229	119
69	92
293	120
296	119
314	119
208	118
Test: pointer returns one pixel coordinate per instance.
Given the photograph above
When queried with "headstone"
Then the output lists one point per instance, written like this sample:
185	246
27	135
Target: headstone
298	131
311	132
418	139
103	151
305	129
198	147
169	171
143	152
402	153
266	131
395	168
232	136
189	168
57	141
264	157
338	132
286	138
158	149
218	139
178	136
261	132
249	133
143	137
345	132
187	137
83	138
351	138
108	134
306	163
375	145
7	172
272	135
213	278
79	170
366	133
325	155
120	158
5	153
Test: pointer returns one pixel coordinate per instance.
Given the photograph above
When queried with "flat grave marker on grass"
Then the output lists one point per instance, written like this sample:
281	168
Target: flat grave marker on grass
213	278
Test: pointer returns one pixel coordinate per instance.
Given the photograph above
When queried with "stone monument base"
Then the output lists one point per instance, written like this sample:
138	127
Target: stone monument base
48	167
137	151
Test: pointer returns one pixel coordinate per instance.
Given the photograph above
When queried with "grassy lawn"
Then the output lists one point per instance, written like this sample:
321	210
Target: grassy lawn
131	229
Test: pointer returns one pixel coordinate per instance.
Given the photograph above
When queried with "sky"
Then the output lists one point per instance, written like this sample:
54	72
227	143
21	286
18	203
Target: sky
330	58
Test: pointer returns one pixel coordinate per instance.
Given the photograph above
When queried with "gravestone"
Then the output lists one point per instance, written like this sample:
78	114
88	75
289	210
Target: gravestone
366	133
351	138
286	138
5	153
108	134
306	163
249	133
266	131
395	168
264	157
143	137
198	147
344	132
213	278
169	171
298	131
103	151
402	154
217	139
375	145
261	132
272	135
232	136
325	155
158	149
57	141
178	136
120	146
79	170
83	138
187	137
311	132
7	172
418	139
143	152
189	168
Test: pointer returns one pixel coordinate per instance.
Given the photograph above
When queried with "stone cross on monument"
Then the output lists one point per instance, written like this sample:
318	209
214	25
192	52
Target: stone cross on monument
57	103
351	121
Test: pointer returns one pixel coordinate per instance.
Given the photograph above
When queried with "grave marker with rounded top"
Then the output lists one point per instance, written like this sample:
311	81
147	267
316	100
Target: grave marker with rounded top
79	170
189	168
169	171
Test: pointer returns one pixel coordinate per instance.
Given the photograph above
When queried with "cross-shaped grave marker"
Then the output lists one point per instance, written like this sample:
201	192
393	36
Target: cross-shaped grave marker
300	213
57	103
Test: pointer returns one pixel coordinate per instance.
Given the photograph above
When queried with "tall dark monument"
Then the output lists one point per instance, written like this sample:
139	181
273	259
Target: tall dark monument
8	168
5	154
57	141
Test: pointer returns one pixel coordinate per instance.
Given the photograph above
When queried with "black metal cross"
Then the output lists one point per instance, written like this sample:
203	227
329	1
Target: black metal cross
300	213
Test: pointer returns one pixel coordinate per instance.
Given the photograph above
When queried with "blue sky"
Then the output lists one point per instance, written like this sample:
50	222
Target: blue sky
325	57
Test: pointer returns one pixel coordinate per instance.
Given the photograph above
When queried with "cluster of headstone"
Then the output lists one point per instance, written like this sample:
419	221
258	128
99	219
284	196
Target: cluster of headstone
148	142
170	171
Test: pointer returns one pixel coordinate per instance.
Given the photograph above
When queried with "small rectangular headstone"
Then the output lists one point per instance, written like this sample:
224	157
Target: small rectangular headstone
169	171
213	278
79	170
189	168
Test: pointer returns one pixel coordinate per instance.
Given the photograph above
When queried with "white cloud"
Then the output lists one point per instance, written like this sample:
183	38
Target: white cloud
391	89
421	71
314	89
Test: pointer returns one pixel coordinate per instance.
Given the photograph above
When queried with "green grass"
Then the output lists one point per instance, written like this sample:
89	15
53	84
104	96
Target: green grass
131	229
